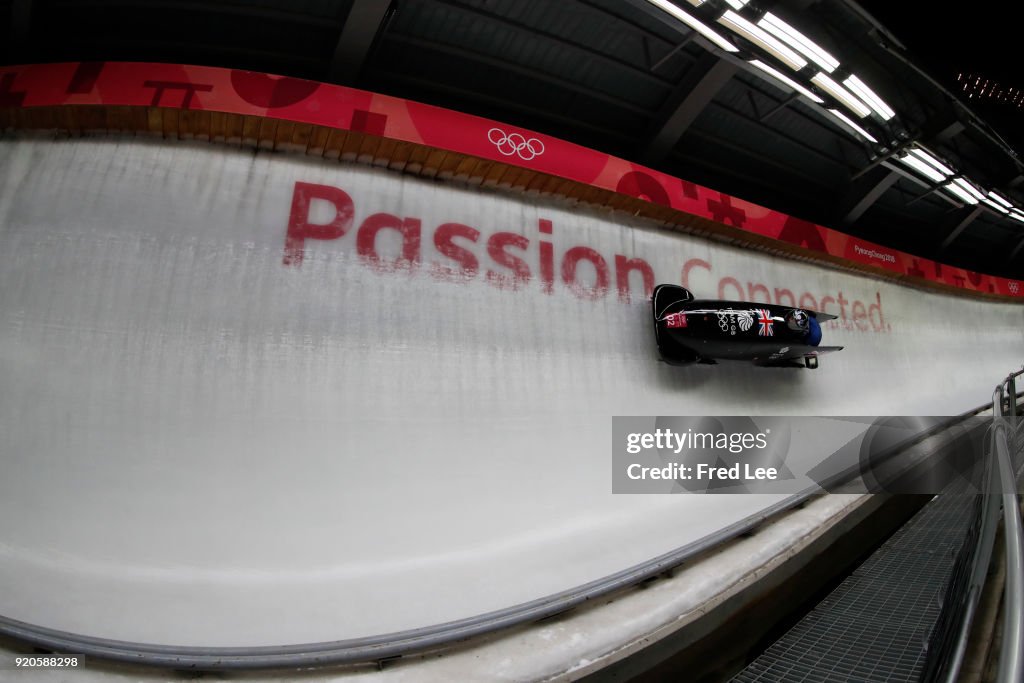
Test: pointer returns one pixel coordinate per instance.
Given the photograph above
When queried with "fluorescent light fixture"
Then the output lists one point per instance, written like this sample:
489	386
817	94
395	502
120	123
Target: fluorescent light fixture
698	26
1019	216
861	90
761	38
1001	199
995	205
970	188
846	120
922	168
798	41
787	80
932	161
963	194
840	93
736	4
696	3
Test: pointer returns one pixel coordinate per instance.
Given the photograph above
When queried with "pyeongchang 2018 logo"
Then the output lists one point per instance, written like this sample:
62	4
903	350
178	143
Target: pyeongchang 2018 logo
872	253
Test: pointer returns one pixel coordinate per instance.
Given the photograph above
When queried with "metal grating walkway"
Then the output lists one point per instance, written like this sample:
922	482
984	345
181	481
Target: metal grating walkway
876	625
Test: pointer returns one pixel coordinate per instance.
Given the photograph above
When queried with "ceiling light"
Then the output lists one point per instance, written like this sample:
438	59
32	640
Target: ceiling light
1017	215
868	95
1001	199
963	194
922	168
759	36
697	26
840	93
932	161
737	4
801	43
787	80
846	119
996	206
969	187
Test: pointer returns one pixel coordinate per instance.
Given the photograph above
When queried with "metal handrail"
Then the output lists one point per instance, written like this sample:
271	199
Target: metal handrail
1011	656
987	523
999	490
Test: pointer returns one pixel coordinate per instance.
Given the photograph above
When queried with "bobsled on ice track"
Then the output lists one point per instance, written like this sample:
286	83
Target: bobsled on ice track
692	330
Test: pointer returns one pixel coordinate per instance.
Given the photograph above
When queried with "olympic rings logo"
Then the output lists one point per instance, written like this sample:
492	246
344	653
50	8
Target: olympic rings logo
514	143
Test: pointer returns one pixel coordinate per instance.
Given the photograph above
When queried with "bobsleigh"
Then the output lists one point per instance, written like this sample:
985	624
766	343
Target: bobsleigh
692	330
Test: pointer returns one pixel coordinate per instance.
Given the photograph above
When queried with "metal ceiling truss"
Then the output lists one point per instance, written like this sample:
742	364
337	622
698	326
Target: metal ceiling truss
365	20
685	104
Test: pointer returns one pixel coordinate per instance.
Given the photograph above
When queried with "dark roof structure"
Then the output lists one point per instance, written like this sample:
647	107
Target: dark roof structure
712	91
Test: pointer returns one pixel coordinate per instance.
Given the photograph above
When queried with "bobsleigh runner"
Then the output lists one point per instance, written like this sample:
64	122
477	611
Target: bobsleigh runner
702	331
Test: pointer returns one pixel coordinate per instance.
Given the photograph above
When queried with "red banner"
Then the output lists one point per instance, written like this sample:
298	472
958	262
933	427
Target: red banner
255	94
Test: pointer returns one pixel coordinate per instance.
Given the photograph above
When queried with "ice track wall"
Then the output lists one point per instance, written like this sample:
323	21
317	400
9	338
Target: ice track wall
250	399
